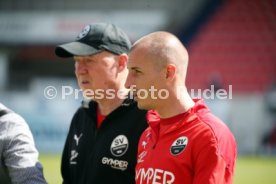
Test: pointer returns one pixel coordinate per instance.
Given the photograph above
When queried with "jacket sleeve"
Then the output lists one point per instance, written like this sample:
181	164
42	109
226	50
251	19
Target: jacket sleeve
65	167
66	154
210	166
20	154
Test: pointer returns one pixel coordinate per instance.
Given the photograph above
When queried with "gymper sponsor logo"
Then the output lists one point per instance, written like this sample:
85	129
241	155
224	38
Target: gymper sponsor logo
114	163
157	176
119	146
179	145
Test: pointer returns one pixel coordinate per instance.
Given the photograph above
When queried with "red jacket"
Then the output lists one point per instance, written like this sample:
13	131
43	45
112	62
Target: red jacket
194	147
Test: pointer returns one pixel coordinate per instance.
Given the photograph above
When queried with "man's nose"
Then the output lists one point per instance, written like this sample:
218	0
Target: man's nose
80	67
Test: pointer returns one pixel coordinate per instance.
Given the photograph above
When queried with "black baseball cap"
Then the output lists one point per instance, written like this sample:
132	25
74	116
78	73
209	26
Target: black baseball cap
95	38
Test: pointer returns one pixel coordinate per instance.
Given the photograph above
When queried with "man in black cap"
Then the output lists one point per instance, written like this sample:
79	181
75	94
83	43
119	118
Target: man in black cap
101	146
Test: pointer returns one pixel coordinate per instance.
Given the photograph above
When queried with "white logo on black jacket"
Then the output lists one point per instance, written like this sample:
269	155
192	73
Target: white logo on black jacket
74	153
118	148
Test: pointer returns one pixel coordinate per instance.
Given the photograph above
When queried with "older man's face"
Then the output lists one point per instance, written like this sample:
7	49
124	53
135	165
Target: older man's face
96	72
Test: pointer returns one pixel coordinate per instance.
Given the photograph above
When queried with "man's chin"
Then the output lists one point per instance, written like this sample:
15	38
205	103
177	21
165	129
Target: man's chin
141	105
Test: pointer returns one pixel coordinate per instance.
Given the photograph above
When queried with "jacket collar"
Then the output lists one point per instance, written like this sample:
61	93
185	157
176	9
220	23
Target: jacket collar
163	126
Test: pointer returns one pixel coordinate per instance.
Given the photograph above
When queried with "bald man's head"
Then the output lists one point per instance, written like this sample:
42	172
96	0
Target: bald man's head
164	48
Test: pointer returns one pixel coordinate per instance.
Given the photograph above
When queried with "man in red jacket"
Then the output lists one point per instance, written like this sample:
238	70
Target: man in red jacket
185	143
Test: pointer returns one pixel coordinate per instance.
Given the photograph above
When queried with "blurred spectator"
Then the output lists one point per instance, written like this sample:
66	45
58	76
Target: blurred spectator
19	157
216	81
220	107
270	101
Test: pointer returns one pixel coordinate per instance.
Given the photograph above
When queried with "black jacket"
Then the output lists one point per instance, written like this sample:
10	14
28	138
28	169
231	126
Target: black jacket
106	155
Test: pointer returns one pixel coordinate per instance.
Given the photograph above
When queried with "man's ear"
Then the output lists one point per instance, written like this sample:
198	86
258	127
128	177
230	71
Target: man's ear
170	71
123	58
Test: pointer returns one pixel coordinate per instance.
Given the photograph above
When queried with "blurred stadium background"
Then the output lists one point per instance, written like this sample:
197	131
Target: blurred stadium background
232	46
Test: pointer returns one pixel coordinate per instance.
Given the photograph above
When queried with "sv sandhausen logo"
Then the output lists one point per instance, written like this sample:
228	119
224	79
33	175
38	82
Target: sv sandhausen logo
84	32
119	146
179	145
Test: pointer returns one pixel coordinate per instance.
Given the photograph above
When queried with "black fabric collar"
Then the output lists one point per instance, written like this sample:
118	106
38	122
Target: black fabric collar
92	104
3	112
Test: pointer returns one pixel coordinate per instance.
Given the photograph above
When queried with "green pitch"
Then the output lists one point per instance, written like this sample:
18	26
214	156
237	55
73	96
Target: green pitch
51	168
255	170
249	170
